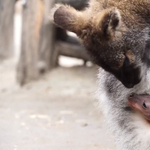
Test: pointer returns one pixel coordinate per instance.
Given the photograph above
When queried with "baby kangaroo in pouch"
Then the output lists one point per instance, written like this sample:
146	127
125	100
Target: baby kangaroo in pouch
141	103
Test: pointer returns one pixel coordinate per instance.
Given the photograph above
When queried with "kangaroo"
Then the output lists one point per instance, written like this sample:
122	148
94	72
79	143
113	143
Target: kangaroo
116	34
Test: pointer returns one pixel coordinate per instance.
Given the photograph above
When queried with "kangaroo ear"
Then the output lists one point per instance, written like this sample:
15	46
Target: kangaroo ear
109	21
67	18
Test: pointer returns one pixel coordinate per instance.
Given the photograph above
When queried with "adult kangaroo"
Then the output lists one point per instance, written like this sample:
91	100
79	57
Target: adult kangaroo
116	34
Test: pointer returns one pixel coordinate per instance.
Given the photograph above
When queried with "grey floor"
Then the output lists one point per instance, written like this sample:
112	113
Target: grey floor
57	112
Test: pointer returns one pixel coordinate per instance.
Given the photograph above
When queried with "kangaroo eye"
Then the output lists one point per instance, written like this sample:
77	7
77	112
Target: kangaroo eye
144	105
126	62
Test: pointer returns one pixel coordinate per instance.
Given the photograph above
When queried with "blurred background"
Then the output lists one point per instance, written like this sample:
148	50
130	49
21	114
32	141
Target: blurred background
47	83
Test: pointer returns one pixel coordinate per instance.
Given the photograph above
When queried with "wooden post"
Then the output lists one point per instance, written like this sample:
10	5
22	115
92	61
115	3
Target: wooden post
33	12
47	40
6	28
37	40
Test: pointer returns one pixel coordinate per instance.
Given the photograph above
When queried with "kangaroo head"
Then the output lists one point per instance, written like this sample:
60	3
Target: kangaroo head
111	43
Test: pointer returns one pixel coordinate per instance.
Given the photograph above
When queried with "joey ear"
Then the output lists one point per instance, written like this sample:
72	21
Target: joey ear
110	21
67	18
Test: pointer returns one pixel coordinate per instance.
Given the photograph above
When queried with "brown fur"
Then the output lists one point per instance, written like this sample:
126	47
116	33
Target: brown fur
112	31
135	13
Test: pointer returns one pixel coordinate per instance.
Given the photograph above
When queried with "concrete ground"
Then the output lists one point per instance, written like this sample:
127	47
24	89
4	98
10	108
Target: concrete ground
58	112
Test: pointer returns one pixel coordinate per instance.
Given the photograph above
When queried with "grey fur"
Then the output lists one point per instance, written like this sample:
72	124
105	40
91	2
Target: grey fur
130	129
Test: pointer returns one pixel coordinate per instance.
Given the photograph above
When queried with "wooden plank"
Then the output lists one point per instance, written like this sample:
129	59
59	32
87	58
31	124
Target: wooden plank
70	50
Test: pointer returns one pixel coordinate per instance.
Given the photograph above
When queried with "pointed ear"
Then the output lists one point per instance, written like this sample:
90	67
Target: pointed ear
67	18
109	21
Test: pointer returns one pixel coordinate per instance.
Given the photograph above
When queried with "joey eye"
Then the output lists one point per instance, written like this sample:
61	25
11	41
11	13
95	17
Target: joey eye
126	62
144	105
